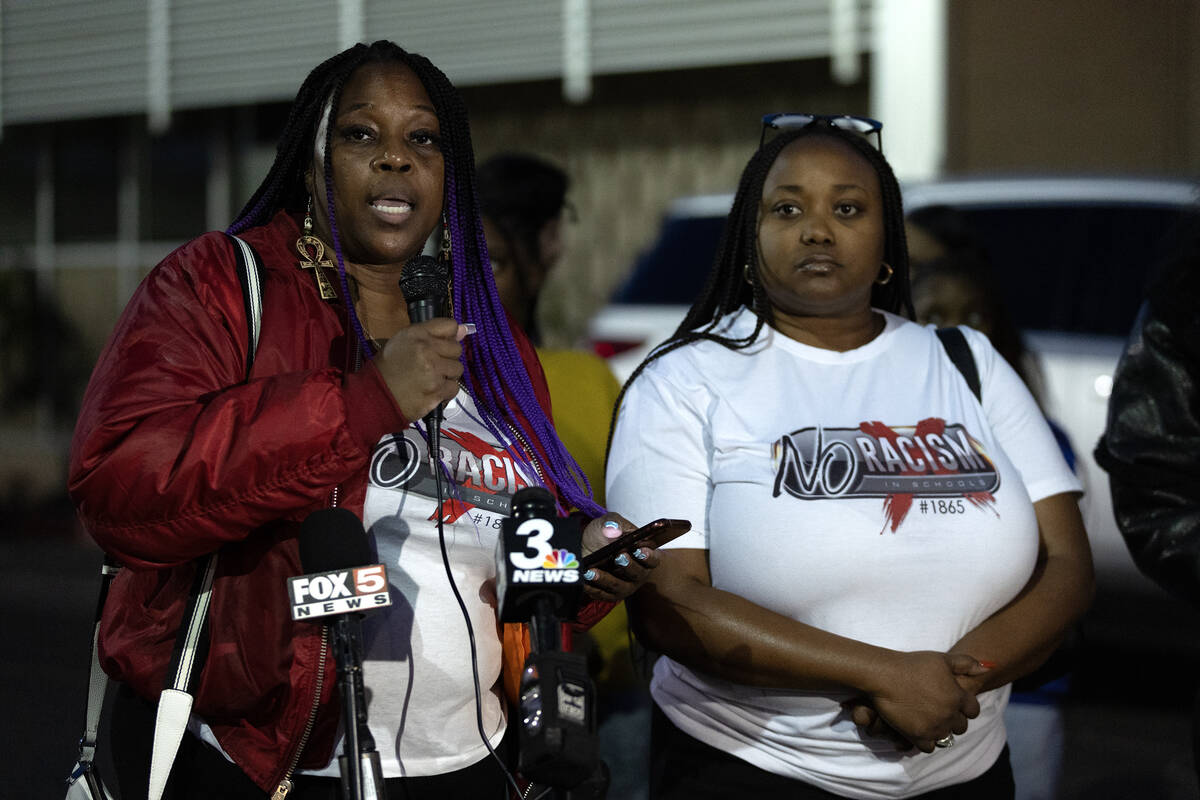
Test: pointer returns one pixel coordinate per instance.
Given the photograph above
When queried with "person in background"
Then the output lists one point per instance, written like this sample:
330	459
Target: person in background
846	616
1151	443
178	453
958	288
523	199
939	230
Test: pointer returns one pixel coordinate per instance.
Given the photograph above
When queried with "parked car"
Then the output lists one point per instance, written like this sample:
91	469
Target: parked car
1074	255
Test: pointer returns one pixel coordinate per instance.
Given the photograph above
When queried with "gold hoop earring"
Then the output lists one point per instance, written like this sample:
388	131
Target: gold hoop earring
888	277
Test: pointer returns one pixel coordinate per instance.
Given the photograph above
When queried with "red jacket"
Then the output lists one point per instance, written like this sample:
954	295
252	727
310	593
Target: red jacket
176	455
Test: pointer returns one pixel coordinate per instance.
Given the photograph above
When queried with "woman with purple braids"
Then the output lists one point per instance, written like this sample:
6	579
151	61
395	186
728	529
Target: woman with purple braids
194	439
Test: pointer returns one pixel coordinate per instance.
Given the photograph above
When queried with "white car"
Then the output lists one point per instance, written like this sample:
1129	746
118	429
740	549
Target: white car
1075	254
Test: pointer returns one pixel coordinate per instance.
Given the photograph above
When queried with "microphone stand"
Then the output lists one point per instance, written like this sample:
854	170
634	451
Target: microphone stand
557	736
362	774
545	627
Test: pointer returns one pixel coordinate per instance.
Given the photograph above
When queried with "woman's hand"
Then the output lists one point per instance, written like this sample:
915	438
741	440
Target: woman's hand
420	363
966	671
630	568
921	699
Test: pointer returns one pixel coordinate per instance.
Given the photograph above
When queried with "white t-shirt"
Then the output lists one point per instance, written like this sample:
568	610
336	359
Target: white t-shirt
417	662
866	493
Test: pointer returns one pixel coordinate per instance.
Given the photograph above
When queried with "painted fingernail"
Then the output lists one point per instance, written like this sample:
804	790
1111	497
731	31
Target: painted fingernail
612	529
987	664
590	575
465	330
621	560
640	554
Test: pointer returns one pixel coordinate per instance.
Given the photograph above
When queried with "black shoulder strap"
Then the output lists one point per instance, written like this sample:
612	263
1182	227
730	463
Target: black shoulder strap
960	353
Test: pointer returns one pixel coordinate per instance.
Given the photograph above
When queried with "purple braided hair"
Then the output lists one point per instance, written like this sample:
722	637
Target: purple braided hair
492	361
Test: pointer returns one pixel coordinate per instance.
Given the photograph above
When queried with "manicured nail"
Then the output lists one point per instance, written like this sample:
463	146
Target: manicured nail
640	554
465	330
612	529
621	560
987	664
590	575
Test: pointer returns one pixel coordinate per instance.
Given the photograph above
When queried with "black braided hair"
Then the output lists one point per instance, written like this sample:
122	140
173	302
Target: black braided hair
733	281
495	374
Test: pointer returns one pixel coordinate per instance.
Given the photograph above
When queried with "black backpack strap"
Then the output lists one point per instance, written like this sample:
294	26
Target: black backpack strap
960	353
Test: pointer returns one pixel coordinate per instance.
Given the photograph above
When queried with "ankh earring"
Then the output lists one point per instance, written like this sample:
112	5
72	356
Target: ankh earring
890	272
315	258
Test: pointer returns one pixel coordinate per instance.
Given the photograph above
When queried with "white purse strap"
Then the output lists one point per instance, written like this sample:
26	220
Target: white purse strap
175	703
187	660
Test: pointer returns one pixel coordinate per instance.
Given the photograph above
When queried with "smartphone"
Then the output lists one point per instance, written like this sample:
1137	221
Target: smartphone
656	533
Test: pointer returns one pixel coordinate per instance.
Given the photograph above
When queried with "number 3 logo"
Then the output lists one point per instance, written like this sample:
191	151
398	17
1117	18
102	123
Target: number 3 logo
539	532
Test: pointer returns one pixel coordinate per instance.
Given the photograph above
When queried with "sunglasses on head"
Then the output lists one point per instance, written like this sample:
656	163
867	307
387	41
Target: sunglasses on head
774	124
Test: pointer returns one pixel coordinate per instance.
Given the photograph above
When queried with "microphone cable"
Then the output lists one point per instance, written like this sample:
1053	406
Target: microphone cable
425	281
433	441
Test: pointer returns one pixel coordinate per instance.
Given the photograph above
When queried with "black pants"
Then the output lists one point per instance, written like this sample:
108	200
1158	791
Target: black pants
201	773
683	768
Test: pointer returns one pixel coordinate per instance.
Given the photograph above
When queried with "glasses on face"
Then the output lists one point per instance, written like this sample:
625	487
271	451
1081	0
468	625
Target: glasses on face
774	124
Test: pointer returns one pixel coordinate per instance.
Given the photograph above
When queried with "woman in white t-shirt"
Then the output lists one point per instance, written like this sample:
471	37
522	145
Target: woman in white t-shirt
877	550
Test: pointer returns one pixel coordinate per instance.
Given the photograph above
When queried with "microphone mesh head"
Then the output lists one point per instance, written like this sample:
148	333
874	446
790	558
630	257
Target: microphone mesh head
424	278
532	502
333	538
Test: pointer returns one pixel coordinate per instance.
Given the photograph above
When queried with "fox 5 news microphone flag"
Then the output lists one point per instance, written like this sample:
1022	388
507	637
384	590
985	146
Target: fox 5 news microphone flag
339	591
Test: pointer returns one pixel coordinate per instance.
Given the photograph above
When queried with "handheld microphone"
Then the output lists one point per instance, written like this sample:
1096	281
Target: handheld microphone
340	581
537	580
537	561
425	282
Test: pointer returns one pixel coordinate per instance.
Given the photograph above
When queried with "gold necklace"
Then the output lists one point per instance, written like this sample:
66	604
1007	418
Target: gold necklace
361	316
375	342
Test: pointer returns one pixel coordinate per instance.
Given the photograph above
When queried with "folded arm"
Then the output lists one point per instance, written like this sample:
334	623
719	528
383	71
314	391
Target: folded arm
678	612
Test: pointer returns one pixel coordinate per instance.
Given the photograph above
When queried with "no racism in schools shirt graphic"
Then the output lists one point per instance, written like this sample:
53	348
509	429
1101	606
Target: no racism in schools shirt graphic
941	463
485	476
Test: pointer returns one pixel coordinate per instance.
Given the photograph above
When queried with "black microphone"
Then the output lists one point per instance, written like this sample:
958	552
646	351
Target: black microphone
340	581
425	282
537	561
537	580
